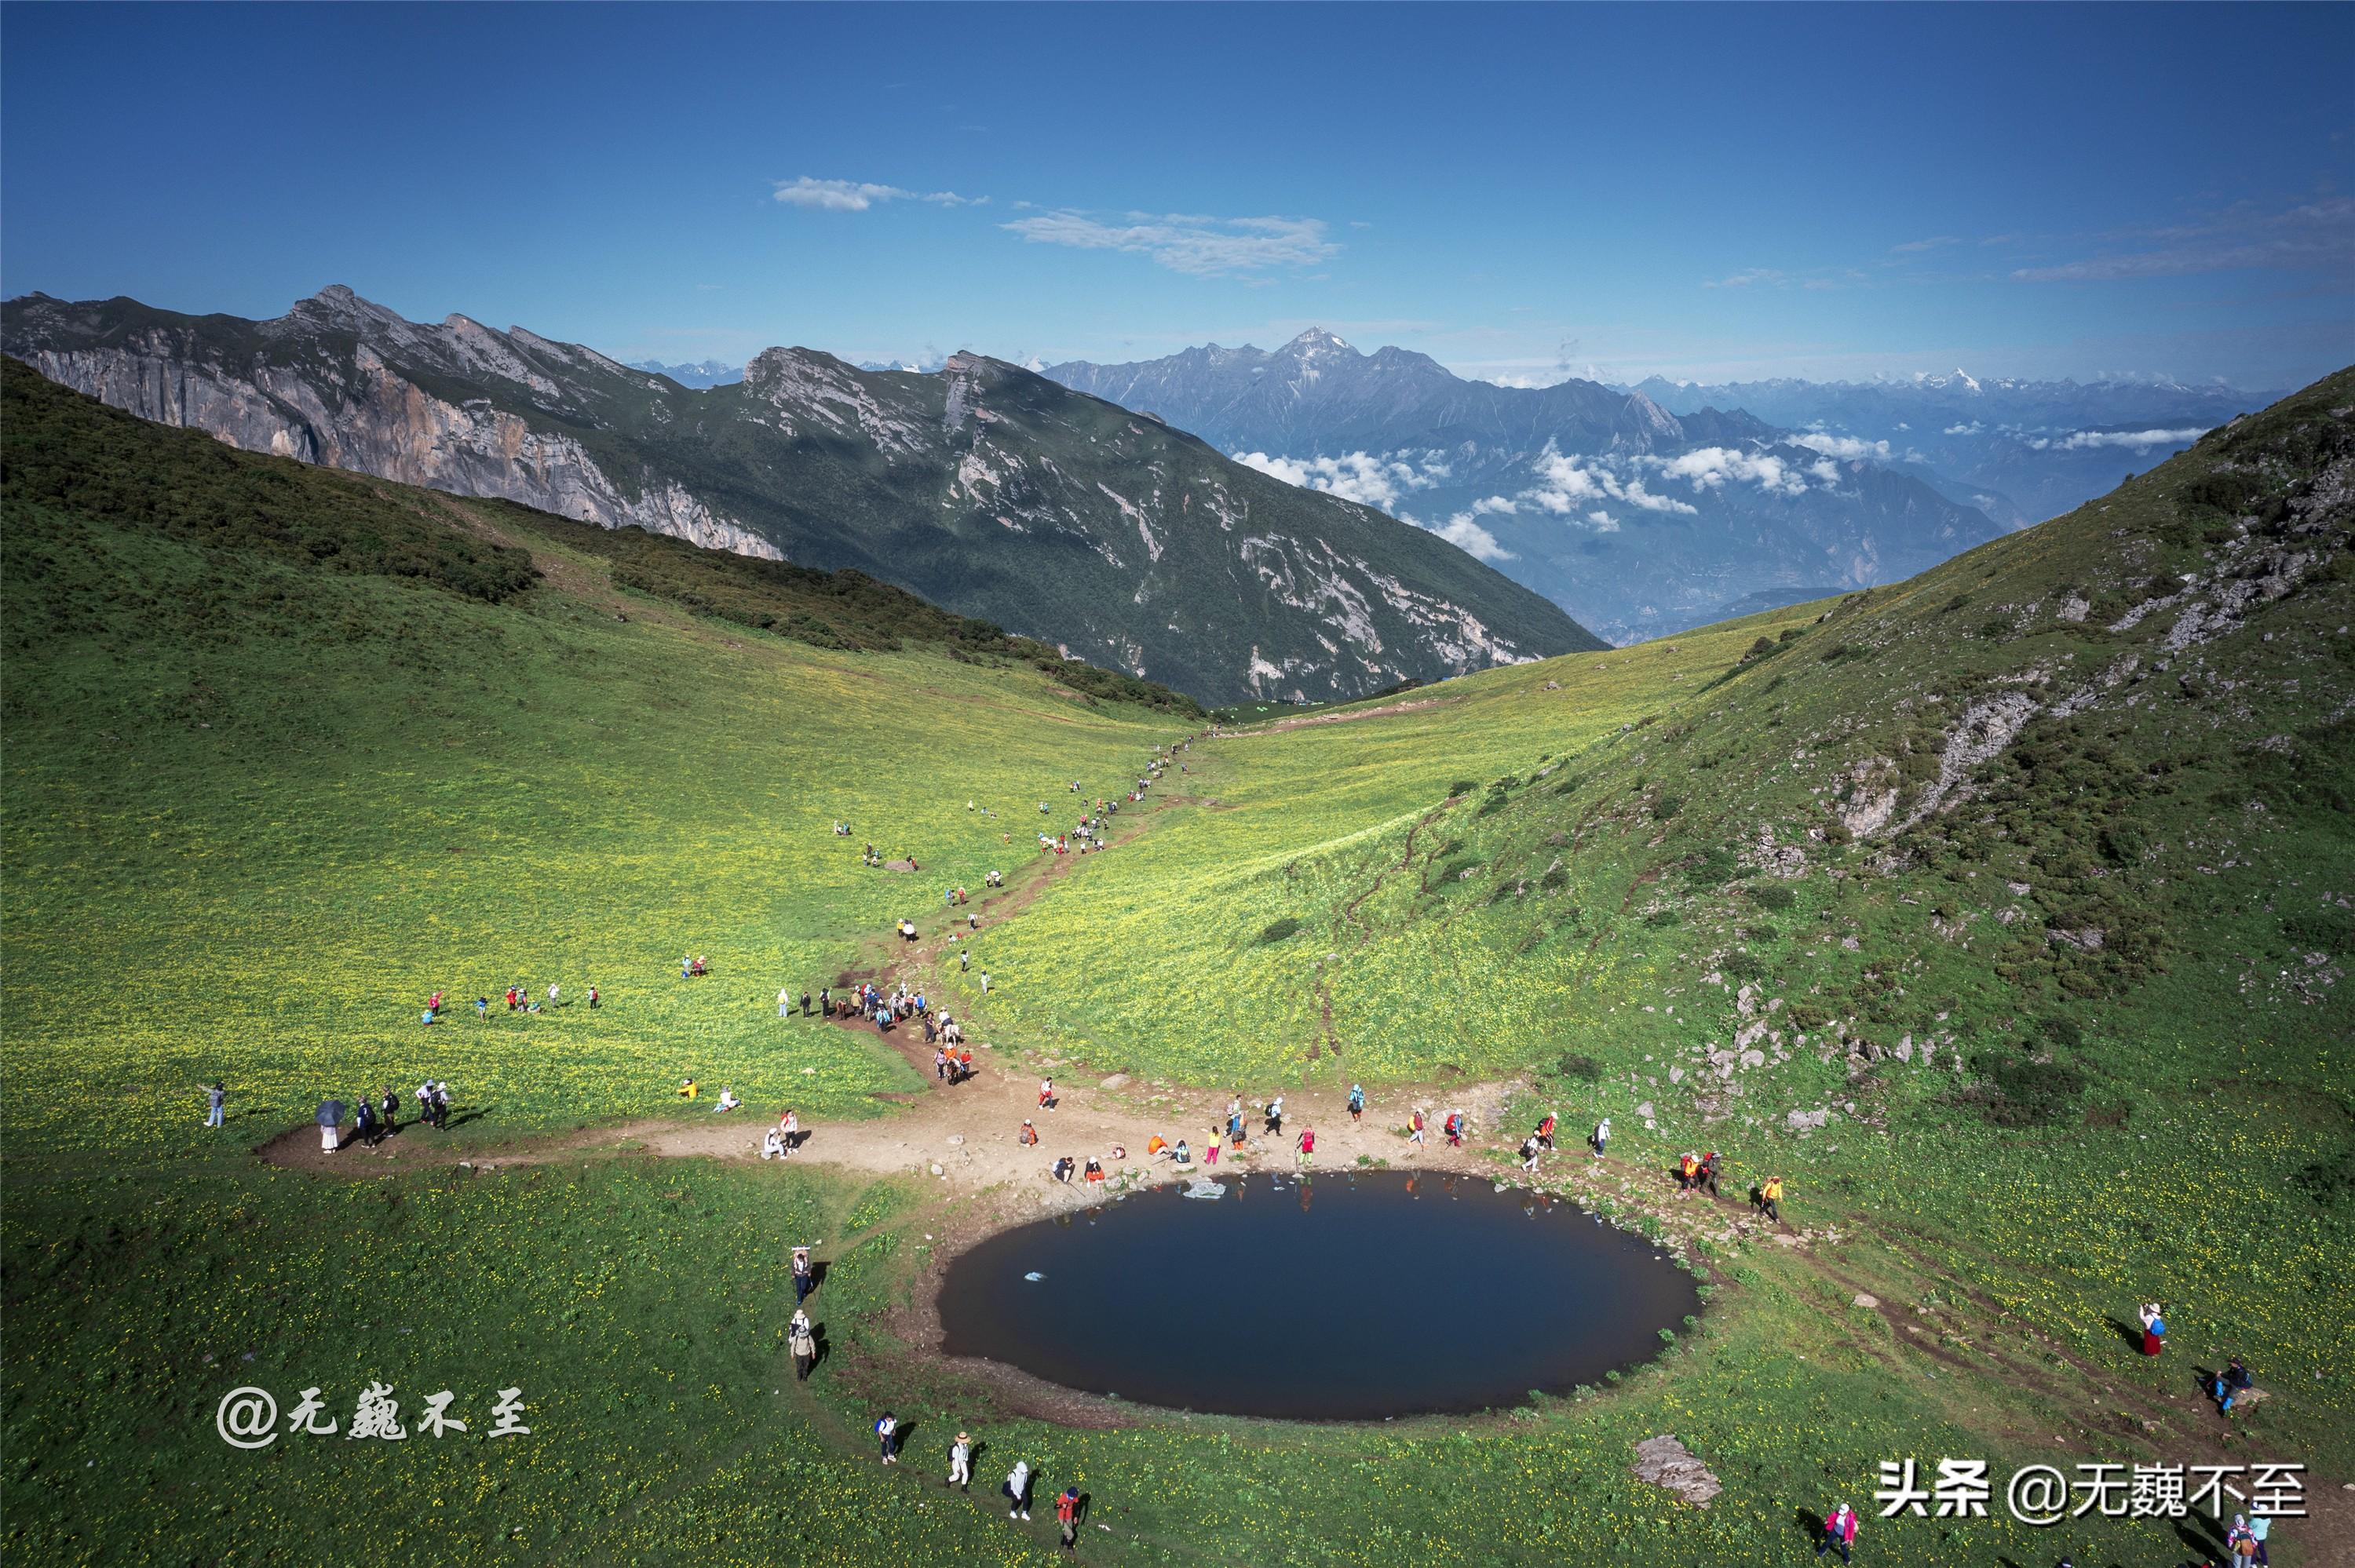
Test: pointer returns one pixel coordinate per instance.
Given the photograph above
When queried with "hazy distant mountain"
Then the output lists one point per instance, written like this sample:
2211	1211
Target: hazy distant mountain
985	488
709	373
1637	519
2020	451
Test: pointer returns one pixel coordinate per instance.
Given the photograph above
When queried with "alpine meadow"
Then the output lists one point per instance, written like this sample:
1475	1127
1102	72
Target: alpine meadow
1019	940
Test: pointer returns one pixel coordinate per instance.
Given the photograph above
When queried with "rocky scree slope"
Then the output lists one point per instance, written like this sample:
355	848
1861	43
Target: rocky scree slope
985	489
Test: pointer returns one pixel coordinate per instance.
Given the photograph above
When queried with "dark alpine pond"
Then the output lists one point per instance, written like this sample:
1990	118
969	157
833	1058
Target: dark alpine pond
1344	1298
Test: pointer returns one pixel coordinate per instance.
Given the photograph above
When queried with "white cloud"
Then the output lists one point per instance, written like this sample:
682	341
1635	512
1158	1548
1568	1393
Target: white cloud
1826	471
1503	503
1847	449
1566	483
1199	247
1468	537
857	195
1604	521
1973	429
2138	440
1709	468
1361	477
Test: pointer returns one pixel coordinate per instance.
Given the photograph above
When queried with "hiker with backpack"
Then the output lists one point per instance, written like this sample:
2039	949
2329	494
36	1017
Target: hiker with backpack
802	1340
961	1463
887	1436
1017	1490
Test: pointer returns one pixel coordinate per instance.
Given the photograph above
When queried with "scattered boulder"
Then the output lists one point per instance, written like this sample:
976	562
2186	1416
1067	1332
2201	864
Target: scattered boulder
1800	1121
1866	1300
1663	1461
1117	1081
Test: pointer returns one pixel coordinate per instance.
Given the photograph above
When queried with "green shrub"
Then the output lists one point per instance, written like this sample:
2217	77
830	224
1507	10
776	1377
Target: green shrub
1714	868
1278	930
1770	895
2028	1093
2321	930
2122	843
1578	1068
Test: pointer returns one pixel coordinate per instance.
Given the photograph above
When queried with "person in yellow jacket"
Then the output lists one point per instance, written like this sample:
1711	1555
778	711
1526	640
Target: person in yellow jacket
1769	1198
687	1088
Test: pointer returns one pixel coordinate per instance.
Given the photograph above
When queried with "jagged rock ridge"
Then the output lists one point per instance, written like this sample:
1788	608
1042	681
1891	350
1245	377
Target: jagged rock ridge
982	487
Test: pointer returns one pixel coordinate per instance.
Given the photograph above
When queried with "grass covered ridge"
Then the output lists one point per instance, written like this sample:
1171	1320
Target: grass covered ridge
2030	877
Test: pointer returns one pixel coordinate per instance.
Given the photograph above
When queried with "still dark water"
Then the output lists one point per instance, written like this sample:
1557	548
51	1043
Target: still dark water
1347	1298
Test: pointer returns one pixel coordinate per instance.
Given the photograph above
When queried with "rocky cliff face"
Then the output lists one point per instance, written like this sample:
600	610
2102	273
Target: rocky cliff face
366	416
982	487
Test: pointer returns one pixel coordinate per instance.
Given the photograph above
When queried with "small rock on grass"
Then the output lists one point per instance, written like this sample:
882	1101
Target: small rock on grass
1665	1462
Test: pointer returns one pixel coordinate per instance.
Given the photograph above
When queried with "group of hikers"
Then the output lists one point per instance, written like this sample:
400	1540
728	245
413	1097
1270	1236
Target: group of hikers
802	1342
373	1121
1017	1488
519	999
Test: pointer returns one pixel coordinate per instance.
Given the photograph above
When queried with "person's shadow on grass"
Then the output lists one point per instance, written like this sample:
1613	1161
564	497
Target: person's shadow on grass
2206	1540
460	1117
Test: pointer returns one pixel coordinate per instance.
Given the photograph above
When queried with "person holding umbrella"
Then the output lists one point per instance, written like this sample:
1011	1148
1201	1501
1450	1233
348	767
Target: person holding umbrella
331	1119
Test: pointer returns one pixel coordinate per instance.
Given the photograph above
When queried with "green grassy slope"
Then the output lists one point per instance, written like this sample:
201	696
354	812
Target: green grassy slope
2031	875
257	812
260	799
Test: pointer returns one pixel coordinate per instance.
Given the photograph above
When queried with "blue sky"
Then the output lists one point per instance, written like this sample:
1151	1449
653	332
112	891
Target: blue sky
1520	192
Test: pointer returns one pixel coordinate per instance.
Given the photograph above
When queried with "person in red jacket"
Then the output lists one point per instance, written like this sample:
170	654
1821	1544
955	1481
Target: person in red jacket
1839	1531
1066	1514
1307	1146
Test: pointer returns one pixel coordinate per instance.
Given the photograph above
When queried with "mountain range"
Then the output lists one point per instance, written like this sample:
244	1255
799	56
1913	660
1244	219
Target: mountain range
2018	450
702	374
993	491
1636	518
